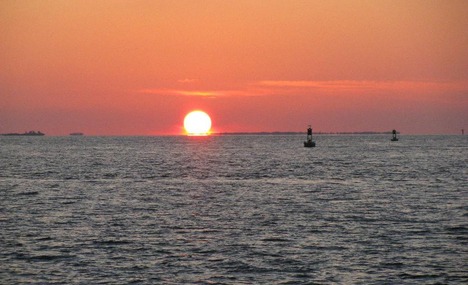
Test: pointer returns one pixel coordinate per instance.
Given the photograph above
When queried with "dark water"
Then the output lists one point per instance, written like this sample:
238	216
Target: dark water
234	210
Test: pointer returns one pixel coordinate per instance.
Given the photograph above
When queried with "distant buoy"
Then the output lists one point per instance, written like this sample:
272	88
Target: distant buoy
309	142
394	137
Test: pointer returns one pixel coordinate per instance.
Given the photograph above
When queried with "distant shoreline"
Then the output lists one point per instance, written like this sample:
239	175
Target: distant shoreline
301	133
30	133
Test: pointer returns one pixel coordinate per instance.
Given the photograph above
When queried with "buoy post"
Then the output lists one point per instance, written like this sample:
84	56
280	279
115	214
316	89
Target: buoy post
309	142
394	137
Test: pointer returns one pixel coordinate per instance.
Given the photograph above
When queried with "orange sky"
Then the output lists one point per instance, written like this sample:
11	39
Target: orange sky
136	67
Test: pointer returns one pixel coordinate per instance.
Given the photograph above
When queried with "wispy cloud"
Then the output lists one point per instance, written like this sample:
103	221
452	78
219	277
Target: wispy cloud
195	93
303	87
358	85
187	80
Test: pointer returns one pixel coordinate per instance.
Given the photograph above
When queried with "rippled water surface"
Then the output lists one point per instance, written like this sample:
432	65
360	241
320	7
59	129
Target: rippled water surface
234	210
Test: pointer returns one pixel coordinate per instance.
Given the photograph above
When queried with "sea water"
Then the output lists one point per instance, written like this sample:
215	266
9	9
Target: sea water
234	210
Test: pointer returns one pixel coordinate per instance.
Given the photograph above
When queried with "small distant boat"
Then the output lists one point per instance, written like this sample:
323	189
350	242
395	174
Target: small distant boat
76	134
394	137
309	142
30	133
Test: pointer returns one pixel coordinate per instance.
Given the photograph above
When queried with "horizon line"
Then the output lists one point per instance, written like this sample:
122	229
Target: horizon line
239	133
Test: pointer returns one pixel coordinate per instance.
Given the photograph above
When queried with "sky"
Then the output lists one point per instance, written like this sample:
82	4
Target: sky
137	67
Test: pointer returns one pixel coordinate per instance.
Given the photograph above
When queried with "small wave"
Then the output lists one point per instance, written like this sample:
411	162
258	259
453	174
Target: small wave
392	265
139	267
420	276
47	257
325	248
110	175
457	230
44	257
31	193
275	239
136	281
111	242
243	267
44	238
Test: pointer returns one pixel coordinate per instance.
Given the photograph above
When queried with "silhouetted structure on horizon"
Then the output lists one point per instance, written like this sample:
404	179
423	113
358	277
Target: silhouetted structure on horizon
394	138
309	142
30	133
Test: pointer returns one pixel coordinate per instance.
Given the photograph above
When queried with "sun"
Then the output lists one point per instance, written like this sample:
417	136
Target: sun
197	123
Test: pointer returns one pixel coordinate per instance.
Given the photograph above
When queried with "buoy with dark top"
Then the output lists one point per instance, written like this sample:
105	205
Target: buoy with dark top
309	142
394	138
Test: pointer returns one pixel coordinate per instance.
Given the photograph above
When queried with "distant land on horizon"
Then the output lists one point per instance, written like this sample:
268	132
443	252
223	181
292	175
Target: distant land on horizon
39	133
30	133
300	133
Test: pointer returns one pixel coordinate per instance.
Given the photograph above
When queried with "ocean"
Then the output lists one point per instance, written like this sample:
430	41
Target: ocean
234	209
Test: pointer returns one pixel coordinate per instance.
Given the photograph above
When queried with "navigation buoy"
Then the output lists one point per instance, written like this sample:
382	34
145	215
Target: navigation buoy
309	142
394	138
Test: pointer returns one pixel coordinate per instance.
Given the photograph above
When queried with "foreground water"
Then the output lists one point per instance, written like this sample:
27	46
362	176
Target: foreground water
233	210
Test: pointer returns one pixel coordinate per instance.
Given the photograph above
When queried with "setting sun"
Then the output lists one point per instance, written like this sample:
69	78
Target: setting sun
197	123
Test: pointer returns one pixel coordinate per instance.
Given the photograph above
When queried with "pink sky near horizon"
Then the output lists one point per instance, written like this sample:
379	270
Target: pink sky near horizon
137	67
